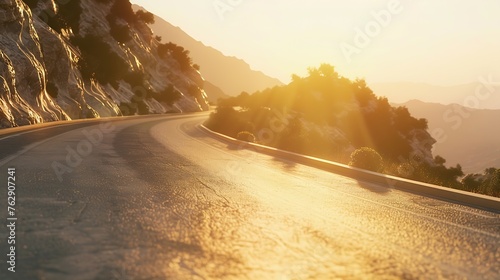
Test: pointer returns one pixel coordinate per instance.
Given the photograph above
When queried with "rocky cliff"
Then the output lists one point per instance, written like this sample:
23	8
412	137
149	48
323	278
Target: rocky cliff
71	59
464	135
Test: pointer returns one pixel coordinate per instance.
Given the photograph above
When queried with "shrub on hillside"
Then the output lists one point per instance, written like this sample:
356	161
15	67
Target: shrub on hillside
99	61
123	9
180	54
67	15
31	3
120	33
367	158
142	107
487	183
145	17
52	89
70	13
226	120
127	108
246	136
135	106
169	95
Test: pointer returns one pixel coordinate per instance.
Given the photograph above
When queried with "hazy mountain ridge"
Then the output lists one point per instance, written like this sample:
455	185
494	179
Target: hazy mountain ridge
231	74
484	94
47	76
464	136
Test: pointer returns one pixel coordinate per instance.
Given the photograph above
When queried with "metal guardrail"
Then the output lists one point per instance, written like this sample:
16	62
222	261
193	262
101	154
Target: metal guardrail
466	198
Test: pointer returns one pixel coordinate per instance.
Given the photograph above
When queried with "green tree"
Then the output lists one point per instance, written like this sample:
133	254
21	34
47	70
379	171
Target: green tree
122	9
99	61
246	136
367	158
180	54
327	71
145	17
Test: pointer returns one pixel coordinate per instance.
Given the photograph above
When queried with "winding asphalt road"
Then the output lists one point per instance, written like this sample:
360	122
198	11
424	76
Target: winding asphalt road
157	198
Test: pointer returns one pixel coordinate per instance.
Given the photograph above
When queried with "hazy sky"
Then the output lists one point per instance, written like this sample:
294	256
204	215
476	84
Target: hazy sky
442	42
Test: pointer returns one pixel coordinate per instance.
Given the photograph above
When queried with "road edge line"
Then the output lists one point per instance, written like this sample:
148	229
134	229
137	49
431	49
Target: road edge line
465	198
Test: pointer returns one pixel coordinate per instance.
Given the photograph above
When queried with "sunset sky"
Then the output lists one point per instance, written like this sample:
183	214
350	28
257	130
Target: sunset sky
438	42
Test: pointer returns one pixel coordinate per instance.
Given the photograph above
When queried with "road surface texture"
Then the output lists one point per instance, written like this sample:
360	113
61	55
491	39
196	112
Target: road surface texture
157	198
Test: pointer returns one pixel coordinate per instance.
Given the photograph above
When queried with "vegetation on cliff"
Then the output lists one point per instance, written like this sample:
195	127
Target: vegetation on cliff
332	117
89	59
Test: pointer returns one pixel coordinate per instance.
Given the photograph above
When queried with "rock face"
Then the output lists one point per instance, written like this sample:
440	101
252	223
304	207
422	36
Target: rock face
465	136
23	98
41	62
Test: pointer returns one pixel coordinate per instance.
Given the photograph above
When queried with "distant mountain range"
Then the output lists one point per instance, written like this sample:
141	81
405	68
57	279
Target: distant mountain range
230	74
466	136
484	94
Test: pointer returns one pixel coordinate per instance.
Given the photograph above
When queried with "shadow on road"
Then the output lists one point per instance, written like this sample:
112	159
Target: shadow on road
374	188
286	164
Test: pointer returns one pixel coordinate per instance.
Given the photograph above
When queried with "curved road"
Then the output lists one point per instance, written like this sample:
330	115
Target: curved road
156	198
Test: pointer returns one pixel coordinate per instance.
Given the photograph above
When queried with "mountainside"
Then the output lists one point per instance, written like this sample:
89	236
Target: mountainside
464	136
484	94
214	92
329	116
62	60
231	74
